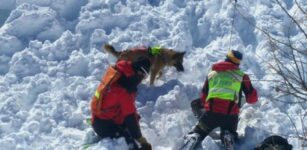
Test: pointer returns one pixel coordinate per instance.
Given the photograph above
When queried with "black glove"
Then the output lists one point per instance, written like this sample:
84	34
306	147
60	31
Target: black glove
144	144
197	108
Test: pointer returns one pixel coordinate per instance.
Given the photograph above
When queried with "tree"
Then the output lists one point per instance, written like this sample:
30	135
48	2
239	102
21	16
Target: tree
290	59
289	63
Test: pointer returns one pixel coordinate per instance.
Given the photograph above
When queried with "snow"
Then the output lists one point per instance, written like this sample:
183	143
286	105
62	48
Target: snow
51	61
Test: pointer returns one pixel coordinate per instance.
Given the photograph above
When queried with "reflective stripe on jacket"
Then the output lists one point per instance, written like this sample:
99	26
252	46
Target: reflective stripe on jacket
225	85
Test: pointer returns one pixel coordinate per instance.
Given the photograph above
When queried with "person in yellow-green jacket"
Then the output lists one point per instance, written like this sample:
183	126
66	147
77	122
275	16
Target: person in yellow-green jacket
220	101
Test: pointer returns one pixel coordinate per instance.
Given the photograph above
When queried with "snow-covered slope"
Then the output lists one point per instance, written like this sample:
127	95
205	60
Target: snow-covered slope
51	61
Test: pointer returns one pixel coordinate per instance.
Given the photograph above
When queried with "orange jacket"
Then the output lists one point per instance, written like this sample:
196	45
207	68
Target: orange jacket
118	103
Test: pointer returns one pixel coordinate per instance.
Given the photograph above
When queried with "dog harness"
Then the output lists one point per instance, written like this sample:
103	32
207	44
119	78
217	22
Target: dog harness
156	50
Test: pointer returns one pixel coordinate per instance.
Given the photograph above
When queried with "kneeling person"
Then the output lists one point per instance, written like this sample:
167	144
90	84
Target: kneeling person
113	107
221	100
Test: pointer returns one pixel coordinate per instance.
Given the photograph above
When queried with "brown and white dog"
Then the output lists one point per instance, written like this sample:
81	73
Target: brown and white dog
165	57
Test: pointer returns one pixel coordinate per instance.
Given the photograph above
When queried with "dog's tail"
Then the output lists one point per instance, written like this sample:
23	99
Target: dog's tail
110	49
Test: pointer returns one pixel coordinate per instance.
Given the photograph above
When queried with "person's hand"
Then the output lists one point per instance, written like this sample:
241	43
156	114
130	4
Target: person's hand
138	117
144	144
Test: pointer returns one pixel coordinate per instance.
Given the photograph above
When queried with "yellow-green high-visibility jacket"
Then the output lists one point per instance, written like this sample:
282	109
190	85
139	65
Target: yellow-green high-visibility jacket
225	85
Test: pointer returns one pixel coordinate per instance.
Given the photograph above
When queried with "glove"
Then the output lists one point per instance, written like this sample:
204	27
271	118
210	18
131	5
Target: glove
138	117
144	144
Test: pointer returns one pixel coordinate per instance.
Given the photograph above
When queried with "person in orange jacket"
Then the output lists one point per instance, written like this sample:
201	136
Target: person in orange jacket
220	100
118	116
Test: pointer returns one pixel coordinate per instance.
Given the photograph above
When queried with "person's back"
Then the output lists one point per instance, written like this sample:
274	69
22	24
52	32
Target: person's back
118	101
222	91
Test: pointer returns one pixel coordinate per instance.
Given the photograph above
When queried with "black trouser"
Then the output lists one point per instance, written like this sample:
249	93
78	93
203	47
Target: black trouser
107	128
208	121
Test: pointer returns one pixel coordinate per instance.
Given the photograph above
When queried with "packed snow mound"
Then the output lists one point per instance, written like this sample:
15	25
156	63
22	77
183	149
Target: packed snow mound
51	60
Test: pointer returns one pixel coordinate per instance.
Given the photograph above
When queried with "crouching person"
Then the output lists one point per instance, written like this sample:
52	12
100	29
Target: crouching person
221	100
113	107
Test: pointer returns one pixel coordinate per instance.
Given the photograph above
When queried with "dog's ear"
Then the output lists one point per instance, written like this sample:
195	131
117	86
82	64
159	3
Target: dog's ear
179	55
108	46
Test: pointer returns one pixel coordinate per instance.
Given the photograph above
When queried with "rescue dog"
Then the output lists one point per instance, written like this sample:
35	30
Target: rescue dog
159	57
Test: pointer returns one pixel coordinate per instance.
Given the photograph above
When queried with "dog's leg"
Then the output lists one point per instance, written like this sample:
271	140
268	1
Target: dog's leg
155	69
153	74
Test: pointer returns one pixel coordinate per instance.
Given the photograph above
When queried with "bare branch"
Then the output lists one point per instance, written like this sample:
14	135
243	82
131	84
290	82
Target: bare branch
265	32
298	25
294	58
293	124
294	94
288	102
299	6
285	74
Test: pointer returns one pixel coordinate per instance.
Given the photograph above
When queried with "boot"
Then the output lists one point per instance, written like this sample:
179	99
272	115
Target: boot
228	141
191	141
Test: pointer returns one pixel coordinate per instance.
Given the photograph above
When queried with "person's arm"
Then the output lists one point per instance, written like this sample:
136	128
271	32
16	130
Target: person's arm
249	91
204	92
129	79
133	126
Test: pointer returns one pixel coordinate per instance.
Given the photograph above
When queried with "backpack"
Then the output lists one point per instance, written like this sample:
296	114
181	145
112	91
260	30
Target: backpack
111	76
274	142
